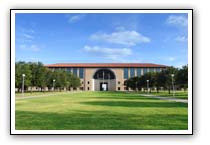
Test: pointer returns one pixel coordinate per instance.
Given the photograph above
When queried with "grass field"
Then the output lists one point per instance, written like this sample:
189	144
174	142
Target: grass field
178	94
99	111
26	94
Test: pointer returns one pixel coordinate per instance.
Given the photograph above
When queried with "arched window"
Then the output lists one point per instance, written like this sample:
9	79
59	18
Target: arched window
104	74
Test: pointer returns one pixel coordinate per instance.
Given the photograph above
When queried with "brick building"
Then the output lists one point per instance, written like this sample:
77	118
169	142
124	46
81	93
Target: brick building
106	76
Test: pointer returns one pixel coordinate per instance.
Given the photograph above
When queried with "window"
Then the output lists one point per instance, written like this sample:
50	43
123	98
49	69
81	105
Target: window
138	71
56	69
88	82
82	82
104	74
152	70
81	88
125	73
118	88
81	73
68	69
88	88
118	82
62	69
132	72
144	71
75	71
157	69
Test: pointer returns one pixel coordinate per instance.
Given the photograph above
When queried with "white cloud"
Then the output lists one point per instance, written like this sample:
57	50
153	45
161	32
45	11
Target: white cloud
171	58
32	47
123	37
25	35
75	18
109	53
181	38
26	30
177	20
180	64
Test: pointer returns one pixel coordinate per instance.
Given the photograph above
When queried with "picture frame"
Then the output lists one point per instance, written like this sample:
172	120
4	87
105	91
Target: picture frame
13	131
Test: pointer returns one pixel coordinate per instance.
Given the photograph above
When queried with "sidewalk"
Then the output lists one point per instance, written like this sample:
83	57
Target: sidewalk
43	95
166	98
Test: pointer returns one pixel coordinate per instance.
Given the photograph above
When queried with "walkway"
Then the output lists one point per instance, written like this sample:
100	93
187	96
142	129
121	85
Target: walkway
44	95
166	98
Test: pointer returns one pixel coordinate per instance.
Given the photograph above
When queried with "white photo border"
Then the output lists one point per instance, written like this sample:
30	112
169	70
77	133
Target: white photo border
13	131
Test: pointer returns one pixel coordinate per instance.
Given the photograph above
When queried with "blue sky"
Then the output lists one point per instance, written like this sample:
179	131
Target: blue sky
82	38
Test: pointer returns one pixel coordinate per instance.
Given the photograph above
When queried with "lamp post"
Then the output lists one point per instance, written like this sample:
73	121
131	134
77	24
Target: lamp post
136	86
172	78
53	84
23	76
148	86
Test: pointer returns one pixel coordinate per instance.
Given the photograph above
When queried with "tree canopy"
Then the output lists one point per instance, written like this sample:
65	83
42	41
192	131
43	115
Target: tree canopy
161	79
37	75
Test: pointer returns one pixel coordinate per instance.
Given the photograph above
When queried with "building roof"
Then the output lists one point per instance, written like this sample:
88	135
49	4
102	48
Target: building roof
105	65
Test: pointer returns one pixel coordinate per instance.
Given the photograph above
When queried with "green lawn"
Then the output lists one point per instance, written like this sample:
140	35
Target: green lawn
99	111
35	94
178	94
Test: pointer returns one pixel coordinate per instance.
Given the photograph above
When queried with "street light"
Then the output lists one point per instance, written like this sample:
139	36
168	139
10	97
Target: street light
148	86
172	78
136	87
23	75
53	84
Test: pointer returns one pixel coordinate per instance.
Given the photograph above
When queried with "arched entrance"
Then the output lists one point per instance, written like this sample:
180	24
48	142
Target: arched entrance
104	80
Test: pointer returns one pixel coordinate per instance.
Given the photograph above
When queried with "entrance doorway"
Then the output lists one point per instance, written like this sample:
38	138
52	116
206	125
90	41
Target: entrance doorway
104	80
104	86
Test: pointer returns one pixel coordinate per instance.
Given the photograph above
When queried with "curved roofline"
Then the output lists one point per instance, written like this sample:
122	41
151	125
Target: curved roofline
105	65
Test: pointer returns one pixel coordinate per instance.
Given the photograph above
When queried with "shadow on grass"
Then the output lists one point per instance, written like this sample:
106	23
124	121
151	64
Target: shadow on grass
137	95
98	120
126	98
136	104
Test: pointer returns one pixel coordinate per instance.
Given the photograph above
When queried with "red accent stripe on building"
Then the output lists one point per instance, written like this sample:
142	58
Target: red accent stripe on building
105	65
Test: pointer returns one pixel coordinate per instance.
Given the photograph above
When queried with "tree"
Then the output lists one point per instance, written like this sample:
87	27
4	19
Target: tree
182	77
161	79
151	77
168	72
33	67
20	69
39	75
63	79
132	83
49	79
142	82
69	80
75	81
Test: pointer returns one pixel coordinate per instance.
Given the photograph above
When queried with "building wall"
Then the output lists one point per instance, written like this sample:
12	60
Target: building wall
111	84
88	77
89	84
119	78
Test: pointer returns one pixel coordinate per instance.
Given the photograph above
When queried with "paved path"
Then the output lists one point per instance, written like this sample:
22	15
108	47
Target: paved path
43	95
167	98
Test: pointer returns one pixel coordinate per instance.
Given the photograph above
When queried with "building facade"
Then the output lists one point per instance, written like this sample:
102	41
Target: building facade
106	76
